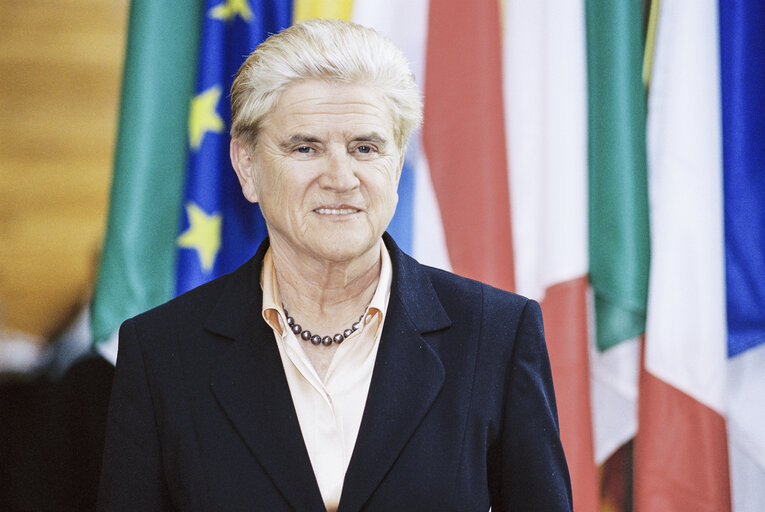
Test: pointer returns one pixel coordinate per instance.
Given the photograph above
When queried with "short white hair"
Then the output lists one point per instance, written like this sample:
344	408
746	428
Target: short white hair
328	50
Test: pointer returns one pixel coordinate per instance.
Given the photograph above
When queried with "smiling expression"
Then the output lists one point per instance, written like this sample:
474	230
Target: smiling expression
325	171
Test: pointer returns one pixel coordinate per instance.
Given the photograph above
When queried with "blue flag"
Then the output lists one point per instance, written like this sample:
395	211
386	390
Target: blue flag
742	54
220	229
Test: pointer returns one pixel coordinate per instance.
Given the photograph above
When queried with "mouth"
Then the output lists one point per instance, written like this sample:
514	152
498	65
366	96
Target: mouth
343	210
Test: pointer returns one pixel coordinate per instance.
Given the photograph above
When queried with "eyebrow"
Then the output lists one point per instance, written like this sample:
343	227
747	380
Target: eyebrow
371	137
297	139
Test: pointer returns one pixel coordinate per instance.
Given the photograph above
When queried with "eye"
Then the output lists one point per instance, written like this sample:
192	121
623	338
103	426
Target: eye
364	149
303	149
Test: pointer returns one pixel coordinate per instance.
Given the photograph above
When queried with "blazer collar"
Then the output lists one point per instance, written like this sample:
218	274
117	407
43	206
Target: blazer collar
411	286
250	385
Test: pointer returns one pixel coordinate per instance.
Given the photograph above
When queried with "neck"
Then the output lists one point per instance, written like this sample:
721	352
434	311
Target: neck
326	295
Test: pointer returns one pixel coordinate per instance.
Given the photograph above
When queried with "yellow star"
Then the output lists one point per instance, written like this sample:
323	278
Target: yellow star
203	116
230	8
203	235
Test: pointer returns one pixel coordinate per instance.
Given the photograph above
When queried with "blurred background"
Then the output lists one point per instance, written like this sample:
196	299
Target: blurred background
603	157
60	74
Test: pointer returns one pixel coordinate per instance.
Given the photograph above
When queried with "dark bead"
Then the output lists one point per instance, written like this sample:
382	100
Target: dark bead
338	338
326	340
306	335
315	339
296	328
290	321
347	332
356	325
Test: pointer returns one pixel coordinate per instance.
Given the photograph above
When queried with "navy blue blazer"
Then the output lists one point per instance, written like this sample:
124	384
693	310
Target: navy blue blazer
460	414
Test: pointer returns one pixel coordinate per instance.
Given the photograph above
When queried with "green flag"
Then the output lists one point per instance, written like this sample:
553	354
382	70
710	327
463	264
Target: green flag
138	259
618	200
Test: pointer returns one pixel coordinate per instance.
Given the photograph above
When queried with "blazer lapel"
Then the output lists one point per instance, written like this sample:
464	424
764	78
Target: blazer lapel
407	378
250	385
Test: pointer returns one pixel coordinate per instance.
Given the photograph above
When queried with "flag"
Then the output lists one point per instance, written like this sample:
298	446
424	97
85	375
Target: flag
465	146
220	229
742	51
618	201
137	269
618	236
681	458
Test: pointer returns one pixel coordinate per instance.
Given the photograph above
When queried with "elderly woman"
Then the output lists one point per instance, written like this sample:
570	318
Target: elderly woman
332	371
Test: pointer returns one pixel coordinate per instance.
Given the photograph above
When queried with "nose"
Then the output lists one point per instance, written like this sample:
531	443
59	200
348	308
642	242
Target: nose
339	173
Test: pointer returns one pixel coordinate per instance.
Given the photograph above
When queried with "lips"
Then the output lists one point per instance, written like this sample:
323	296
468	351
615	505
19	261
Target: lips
336	211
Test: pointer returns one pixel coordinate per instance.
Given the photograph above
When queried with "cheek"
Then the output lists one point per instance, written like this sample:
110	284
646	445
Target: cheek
271	183
287	199
392	185
387	197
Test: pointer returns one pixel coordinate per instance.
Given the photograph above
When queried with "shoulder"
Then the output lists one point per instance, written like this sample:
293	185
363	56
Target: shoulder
450	284
186	315
237	286
195	300
502	318
192	305
461	296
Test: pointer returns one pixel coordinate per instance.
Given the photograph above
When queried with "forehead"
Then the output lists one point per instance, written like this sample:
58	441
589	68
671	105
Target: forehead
315	105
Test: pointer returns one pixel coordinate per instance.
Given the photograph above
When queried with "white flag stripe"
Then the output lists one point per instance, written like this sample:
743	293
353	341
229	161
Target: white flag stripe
685	331
745	409
614	394
545	94
746	429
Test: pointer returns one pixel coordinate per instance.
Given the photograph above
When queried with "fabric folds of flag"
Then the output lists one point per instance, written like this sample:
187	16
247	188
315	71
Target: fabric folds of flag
742	41
742	51
465	147
220	230
618	239
137	269
681	458
618	200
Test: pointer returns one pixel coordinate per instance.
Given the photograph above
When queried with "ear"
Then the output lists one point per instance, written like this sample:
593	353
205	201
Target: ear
244	167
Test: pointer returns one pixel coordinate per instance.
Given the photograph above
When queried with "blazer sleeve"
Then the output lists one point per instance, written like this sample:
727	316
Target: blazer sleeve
131	474
527	467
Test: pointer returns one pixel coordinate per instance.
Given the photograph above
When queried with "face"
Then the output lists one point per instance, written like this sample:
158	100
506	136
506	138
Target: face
325	171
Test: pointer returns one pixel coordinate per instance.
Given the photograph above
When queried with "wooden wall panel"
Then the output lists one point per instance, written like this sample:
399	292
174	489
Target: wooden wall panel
60	74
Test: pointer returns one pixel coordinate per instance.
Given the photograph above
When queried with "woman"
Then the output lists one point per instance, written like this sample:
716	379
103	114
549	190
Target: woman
332	371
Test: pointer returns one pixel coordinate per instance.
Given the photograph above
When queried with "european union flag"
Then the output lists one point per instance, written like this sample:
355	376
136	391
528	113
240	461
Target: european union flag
220	229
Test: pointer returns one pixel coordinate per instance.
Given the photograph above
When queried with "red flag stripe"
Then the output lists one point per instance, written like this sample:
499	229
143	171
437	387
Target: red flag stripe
681	452
464	138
